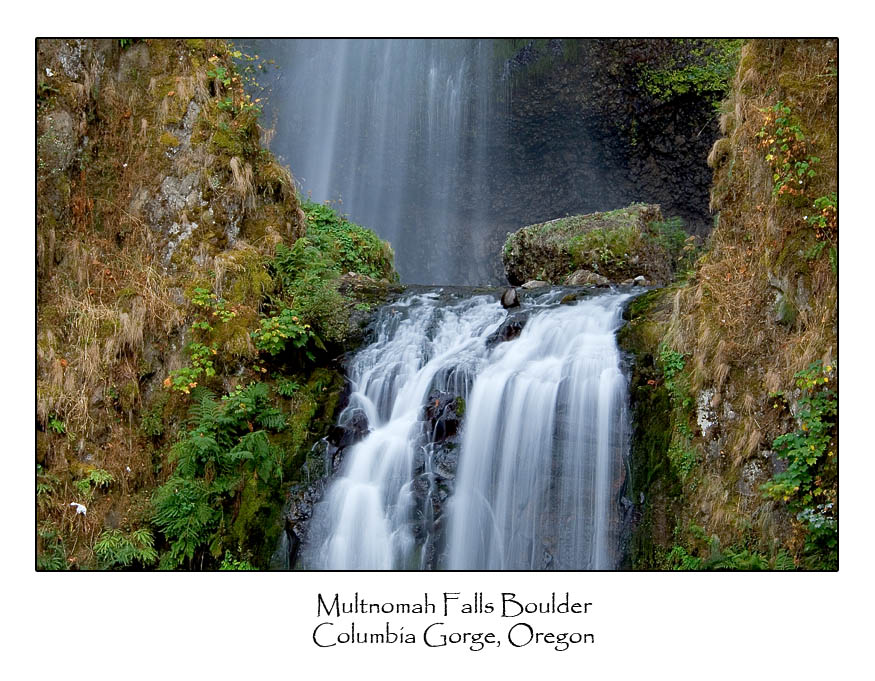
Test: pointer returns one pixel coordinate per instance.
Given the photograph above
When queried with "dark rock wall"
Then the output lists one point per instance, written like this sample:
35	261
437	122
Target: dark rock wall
584	135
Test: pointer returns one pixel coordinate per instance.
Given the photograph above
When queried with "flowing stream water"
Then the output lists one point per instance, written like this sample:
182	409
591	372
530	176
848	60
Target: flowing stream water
534	477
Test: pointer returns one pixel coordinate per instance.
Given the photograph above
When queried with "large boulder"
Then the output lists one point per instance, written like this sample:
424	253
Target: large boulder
592	249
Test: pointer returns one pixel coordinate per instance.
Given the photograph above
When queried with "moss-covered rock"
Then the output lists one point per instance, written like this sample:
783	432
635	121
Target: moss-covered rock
620	244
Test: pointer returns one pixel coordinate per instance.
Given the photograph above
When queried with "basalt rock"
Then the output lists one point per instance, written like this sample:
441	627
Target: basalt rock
509	329
585	278
443	415
510	298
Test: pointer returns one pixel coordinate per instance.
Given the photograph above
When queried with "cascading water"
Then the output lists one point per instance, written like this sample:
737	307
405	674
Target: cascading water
399	132
536	481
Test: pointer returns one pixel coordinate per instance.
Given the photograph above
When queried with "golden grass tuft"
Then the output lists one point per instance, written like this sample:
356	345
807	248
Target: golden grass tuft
243	181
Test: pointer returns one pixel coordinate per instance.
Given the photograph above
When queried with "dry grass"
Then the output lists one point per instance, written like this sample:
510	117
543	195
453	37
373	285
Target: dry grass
725	321
243	182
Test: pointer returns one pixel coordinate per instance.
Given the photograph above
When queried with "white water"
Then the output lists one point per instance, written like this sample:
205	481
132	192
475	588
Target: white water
543	440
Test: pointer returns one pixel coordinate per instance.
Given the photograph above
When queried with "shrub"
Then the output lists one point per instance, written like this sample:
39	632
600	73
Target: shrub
282	330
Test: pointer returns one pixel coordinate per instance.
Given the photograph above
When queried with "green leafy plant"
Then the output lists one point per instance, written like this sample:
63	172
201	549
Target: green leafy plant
670	235
56	425
226	444
683	459
221	74
716	557
51	551
702	68
212	304
115	548
673	363
811	443
286	387
352	248
231	563
46	484
786	151
96	477
282	330
825	220
185	379
807	483
201	352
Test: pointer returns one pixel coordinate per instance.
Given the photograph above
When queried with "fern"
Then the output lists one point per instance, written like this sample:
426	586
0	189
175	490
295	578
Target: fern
116	549
227	442
51	552
286	387
784	561
272	419
185	515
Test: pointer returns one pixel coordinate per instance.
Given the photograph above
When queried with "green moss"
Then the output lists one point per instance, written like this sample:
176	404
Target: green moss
168	139
605	249
227	142
152	419
786	311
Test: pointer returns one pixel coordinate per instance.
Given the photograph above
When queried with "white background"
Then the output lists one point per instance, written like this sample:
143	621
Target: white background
239	625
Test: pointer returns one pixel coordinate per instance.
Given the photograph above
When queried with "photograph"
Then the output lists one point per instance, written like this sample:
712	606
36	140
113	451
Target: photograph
426	304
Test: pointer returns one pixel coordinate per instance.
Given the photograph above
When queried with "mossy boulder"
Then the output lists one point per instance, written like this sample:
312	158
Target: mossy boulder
619	245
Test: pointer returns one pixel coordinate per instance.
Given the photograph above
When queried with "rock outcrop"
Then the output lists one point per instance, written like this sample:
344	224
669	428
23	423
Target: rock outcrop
594	249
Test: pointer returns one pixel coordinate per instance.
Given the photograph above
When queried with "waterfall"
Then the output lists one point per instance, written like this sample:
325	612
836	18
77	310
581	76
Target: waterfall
397	132
533	480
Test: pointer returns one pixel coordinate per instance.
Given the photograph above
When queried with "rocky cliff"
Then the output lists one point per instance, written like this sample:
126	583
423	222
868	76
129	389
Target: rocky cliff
735	459
172	276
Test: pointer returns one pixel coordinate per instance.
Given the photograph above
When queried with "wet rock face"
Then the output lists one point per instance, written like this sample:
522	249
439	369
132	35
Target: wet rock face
509	329
435	471
352	430
57	142
442	415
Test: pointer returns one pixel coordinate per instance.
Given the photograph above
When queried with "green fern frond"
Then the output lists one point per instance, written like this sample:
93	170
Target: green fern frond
272	419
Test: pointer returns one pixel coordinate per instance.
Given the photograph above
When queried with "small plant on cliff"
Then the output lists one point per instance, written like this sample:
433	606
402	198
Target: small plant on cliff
284	330
352	247
115	548
786	151
673	363
824	219
807	484
201	352
185	379
696	67
231	563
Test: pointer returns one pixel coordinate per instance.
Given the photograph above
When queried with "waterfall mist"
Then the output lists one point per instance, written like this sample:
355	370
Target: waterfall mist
399	133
